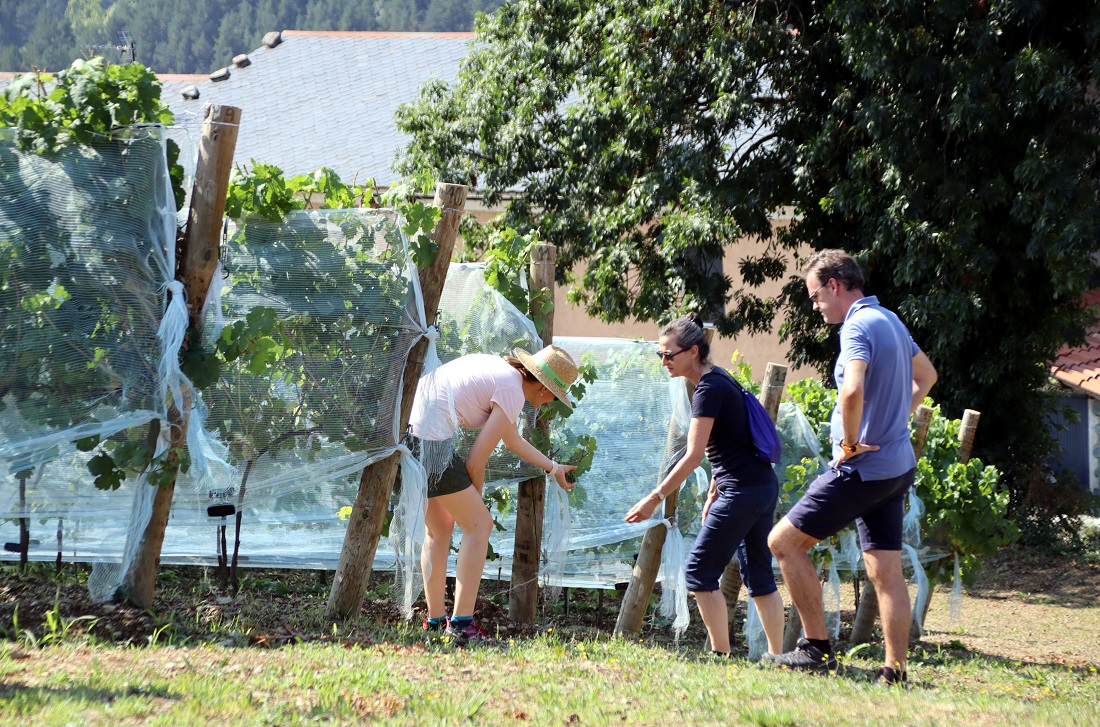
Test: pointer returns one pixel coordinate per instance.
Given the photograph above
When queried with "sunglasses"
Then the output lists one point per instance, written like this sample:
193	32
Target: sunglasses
813	295
669	355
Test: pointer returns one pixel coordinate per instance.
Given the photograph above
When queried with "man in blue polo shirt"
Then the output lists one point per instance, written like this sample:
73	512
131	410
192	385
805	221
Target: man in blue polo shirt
881	378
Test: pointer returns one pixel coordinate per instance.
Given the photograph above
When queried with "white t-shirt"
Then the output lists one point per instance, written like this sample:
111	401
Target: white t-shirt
462	392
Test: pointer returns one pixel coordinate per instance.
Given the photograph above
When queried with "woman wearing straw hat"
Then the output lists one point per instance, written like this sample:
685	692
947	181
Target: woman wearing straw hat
476	391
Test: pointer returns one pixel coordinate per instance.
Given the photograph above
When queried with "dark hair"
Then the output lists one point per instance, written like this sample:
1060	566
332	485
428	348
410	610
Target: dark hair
518	366
687	332
835	264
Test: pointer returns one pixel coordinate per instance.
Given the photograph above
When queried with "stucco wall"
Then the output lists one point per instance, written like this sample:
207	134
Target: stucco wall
758	350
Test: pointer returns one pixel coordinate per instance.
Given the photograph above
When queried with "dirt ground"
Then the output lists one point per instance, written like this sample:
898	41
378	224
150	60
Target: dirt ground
1024	608
1028	608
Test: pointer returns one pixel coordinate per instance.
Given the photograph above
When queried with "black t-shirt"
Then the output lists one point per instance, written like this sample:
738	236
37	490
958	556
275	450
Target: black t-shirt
730	449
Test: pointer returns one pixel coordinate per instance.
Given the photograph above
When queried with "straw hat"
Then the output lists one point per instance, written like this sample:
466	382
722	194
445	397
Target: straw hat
553	367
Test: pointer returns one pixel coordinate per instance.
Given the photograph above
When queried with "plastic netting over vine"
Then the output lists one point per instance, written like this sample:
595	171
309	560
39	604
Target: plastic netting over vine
88	339
315	316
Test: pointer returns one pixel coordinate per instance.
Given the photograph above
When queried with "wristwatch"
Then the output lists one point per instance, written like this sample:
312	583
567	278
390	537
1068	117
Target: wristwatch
849	448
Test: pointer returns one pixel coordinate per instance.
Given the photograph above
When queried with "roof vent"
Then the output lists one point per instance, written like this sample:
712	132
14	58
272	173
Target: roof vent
242	60
191	93
222	74
273	39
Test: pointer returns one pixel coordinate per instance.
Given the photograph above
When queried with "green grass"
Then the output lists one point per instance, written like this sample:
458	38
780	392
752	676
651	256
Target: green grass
544	680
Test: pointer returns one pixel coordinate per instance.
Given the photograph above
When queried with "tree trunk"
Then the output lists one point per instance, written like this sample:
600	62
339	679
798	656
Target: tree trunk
524	589
368	514
195	268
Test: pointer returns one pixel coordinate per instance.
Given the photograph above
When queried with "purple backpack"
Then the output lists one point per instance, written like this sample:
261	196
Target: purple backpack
761	427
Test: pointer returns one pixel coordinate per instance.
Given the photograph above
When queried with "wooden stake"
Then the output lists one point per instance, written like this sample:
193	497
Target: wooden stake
771	391
195	269
24	525
636	599
531	501
793	629
967	430
922	417
866	613
771	394
368	514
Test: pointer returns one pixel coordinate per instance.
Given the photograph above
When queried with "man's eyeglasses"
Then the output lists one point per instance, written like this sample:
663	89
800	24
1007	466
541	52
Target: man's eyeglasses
813	295
669	355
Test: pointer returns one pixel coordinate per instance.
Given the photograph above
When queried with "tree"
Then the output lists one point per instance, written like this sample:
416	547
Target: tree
950	146
953	148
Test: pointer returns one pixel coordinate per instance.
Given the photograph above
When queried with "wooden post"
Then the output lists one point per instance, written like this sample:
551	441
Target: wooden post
867	611
60	530
921	419
202	240
368	513
195	269
524	588
967	430
636	599
864	623
24	523
771	393
793	630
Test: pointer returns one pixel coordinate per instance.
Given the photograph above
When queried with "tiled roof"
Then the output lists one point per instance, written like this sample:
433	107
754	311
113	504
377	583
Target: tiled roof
1079	366
324	98
321	98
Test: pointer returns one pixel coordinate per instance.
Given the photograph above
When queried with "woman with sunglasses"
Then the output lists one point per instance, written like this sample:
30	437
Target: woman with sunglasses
740	506
486	393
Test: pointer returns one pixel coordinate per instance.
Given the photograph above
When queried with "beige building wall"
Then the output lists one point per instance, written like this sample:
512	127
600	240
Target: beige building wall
757	350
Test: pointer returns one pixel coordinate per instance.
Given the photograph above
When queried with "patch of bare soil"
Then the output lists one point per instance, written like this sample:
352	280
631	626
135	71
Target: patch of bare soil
1023	608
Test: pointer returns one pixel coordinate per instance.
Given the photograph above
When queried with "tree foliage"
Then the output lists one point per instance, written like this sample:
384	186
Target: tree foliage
951	146
200	36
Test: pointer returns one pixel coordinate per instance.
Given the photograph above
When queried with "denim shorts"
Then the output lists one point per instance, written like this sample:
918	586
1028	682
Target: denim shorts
738	522
836	498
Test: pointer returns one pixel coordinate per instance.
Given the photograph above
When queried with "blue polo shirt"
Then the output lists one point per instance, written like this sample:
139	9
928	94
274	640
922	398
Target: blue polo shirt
873	334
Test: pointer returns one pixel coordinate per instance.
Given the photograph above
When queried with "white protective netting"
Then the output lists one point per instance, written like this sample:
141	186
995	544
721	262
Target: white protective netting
324	309
319	313
88	338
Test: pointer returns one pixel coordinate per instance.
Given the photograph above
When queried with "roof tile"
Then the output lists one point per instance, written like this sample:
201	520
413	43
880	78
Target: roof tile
1079	366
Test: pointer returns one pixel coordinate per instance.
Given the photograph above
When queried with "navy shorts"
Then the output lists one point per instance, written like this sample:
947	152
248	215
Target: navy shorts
738	521
836	498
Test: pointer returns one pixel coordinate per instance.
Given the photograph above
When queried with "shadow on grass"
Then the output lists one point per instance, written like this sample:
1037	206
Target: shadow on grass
22	696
